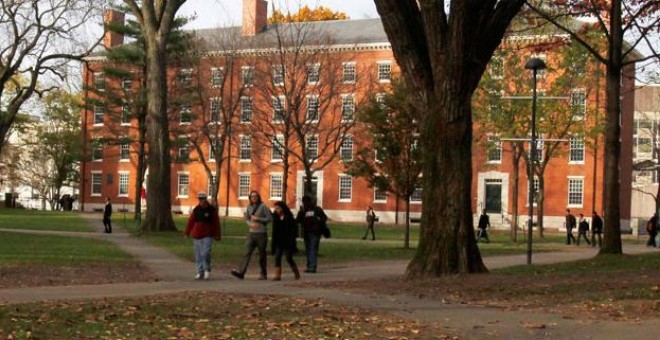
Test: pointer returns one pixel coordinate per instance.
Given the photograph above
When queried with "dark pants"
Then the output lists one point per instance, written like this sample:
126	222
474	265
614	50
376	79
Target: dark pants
312	243
258	241
593	239
569	236
482	233
651	241
107	224
582	234
289	257
370	226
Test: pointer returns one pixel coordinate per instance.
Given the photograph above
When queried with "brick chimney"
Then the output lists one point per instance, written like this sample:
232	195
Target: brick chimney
112	39
255	17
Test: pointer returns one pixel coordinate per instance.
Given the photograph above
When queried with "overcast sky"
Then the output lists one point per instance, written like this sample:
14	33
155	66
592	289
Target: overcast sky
214	13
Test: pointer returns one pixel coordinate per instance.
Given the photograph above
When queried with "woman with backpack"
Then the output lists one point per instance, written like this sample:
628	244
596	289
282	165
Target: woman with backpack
285	232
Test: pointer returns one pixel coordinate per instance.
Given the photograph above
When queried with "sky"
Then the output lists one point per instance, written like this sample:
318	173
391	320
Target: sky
214	13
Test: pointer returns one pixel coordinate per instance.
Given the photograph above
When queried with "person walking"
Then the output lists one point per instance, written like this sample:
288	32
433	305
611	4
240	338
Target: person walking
652	229
570	225
285	233
312	219
371	219
257	216
583	229
204	226
484	223
596	229
107	213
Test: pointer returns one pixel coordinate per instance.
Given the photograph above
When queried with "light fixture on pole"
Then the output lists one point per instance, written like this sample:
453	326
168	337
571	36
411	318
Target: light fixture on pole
534	64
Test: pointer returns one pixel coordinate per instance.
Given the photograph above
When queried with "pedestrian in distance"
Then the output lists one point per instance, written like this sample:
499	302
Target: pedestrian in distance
570	225
596	229
371	219
204	226
652	229
583	229
484	223
313	221
257	217
285	233
107	214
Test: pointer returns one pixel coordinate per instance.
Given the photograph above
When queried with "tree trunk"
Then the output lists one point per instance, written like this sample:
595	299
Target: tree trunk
447	243
539	205
285	175
406	241
141	168
611	193
516	188
159	199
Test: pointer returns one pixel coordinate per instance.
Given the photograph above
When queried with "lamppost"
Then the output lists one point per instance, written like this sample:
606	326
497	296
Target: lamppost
534	64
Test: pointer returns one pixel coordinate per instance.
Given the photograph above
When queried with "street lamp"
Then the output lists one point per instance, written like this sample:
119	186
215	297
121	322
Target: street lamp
534	64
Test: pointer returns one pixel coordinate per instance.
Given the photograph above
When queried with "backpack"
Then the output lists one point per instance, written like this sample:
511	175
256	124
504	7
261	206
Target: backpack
322	223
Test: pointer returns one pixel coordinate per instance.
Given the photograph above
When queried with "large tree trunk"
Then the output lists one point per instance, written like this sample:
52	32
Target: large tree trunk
406	240
141	166
447	243
159	198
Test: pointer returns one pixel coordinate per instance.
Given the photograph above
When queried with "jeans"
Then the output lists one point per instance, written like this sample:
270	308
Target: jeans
203	254
593	239
569	236
580	235
107	224
258	241
370	227
312	242
289	257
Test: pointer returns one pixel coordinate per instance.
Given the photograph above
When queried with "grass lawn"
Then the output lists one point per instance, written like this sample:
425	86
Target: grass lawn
42	220
206	316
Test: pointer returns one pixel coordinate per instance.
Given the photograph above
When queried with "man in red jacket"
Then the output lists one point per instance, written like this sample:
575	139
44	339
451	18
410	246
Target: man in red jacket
203	226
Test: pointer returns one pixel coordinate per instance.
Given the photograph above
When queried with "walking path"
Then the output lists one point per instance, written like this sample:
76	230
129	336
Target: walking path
174	276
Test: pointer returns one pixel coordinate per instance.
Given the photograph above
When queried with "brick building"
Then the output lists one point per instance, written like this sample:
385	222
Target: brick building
364	65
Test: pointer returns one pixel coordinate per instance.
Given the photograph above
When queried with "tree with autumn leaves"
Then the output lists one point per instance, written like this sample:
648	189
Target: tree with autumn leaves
306	14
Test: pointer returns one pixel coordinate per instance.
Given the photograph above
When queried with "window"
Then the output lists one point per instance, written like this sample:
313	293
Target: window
346	150
126	114
313	73
124	151
97	183
123	184
184	150
380	195
348	73
213	146
575	188
212	181
384	71
381	100
278	75
312	108
312	147
579	104
97	150
247	75
214	110
99	113
416	195
539	149
127	84
245	153
99	81
643	131
185	115
345	188
185	78
246	109
217	76
576	154
278	109
243	186
183	181
347	107
276	153
276	186
494	149
496	69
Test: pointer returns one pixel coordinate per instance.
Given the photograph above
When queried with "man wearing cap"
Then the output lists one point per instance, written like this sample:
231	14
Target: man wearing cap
203	226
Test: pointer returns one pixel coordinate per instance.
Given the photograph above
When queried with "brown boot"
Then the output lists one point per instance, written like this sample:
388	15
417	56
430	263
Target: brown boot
296	272
278	274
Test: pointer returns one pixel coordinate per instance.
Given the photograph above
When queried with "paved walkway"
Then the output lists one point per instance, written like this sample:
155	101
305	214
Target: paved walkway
474	322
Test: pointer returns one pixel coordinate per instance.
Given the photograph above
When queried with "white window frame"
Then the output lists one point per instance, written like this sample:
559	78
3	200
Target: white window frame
211	154
580	108
279	104
241	139
345	106
99	79
215	108
120	175
579	179
125	119
247	73
99	111
313	74
97	145
243	175
344	66
307	111
100	183
278	75
209	182
342	149
185	77
344	177
380	200
384	63
247	105
124	146
182	146
274	175
316	149
186	108
217	76
496	143
279	147
574	142
416	198
179	186
127	84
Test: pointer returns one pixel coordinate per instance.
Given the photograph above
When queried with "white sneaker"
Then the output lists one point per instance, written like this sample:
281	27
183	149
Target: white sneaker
207	275
198	276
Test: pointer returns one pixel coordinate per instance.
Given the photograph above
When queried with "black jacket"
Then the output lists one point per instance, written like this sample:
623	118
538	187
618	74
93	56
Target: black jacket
597	224
107	211
285	232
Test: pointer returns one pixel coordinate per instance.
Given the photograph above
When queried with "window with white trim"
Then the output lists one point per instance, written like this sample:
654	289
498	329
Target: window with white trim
215	110
380	196
494	149
277	148
211	181
538	157
185	77
576	154
99	113
245	152
99	81
124	151
416	195
278	109
278	75
185	113
312	108
579	103
276	185
217	76
123	184
246	109
313	73
643	131
312	147
213	145
97	183
97	150
126	114
381	100
243	186
348	73
384	71
183	182
127	84
347	107
345	188
575	191
184	149
247	76
346	149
